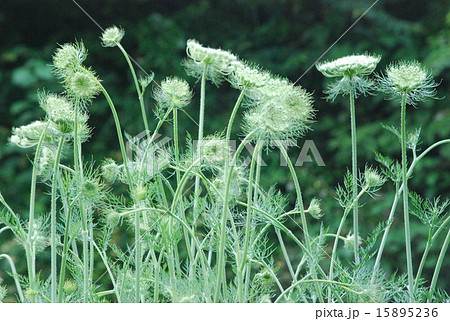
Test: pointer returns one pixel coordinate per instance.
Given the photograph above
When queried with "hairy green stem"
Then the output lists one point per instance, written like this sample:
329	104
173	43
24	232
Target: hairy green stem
405	200
438	267
354	173
138	88
14	275
53	240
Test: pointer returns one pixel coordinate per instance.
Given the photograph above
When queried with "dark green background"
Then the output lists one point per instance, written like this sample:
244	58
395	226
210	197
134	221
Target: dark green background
284	36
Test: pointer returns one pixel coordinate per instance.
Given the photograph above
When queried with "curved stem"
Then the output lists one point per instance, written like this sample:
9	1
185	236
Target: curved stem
395	202
220	268
345	286
14	275
427	250
138	88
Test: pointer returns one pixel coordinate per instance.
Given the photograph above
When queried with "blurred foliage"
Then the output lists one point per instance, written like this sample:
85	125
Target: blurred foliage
284	36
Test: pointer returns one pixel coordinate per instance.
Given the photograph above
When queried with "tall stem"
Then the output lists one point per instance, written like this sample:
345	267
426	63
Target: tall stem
354	173
248	227
220	266
394	205
138	88
53	242
405	200
30	248
439	264
200	136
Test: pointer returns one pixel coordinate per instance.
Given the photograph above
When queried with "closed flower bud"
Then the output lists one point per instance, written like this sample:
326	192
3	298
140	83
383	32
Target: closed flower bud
373	178
314	209
349	241
30	293
110	170
92	189
173	93
354	65
70	286
83	84
112	36
69	57
140	193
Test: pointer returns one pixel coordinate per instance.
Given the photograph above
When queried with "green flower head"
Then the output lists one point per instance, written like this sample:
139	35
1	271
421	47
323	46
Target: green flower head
69	56
407	79
112	36
83	84
173	93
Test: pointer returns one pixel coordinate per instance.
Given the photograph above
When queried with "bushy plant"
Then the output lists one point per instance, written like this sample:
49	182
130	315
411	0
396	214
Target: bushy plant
199	215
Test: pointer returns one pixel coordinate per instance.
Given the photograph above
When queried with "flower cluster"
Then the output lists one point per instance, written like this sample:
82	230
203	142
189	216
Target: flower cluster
352	70
213	63
281	111
112	36
407	79
173	93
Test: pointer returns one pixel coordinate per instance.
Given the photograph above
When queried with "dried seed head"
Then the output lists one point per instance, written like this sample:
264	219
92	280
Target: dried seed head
112	36
83	84
354	65
69	57
173	93
314	209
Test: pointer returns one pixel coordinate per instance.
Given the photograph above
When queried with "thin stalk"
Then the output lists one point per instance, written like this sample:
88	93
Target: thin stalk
338	233
53	240
248	221
395	202
438	267
138	88
14	275
220	268
354	173
200	136
285	255
302	210
30	245
78	164
345	286
430	243
62	273
405	200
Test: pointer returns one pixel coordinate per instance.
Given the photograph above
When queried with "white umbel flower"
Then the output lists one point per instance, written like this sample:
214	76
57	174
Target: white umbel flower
354	65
